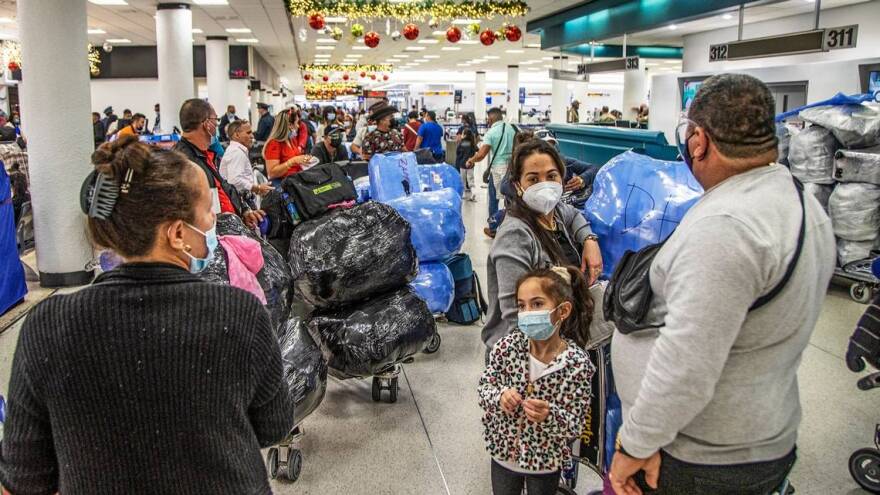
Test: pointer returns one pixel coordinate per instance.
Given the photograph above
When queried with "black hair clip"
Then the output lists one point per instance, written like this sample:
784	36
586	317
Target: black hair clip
98	195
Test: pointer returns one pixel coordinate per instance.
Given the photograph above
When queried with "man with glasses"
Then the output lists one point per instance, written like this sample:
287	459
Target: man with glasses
199	123
710	398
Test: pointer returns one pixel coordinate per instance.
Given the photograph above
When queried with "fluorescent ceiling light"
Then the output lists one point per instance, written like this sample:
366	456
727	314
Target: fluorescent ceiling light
335	20
546	58
463	65
325	48
727	16
6	20
96	31
211	2
118	40
247	40
431	56
238	30
491	57
513	51
109	2
477	61
468	42
428	42
466	21
439	33
326	40
197	31
358	47
450	48
533	45
548	66
420	60
673	27
413	48
354	55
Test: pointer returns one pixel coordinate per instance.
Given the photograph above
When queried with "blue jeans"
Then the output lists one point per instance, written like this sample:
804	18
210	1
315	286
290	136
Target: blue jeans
493	202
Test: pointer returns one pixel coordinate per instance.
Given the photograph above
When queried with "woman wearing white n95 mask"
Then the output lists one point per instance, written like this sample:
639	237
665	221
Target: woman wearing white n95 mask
538	231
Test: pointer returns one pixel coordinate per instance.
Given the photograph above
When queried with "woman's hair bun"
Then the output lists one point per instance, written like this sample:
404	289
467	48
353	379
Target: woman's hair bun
117	157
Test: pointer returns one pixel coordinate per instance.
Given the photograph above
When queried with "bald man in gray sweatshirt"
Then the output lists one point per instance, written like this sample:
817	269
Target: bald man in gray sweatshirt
710	400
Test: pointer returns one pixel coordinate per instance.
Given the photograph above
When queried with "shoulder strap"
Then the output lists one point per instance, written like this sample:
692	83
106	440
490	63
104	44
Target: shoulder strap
766	298
410	129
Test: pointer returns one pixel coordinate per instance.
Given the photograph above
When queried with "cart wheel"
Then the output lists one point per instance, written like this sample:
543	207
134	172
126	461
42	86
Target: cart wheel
272	462
433	344
377	390
864	466
294	464
392	390
860	293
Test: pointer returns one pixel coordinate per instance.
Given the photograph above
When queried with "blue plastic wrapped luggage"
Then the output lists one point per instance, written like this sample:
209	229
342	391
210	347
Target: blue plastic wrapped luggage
440	176
435	217
638	201
393	175
12	283
435	285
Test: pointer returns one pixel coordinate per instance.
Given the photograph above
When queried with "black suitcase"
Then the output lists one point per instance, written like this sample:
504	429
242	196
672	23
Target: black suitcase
315	189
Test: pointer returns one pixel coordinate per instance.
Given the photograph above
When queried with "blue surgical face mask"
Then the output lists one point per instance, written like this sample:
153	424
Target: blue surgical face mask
331	117
537	324
371	128
196	265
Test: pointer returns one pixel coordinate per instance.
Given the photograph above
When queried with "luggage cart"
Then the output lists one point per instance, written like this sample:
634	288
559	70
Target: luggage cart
290	466
863	284
386	381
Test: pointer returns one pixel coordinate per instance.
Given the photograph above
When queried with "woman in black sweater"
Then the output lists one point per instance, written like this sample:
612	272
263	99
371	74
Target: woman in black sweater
149	381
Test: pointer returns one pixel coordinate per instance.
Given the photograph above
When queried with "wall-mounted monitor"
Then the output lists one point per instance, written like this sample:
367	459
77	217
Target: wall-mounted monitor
869	76
688	87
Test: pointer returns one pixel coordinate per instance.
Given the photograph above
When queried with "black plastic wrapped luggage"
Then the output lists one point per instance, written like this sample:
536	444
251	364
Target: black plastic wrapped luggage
305	369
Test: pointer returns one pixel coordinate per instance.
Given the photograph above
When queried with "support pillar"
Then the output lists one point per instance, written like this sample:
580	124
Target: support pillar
217	70
53	49
174	51
635	90
513	93
559	94
480	96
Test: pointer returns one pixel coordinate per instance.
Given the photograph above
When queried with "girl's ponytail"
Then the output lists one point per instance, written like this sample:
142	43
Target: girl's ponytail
567	284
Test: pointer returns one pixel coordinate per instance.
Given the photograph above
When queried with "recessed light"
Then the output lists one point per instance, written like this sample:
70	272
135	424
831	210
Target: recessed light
491	57
513	51
401	55
478	61
466	21
247	40
109	2
439	33
358	47
6	20
548	66
335	20
96	31
431	56
325	48
414	48
727	16
211	2
118	40
322	55
238	30
468	42
326	40
428	42
673	27
463	65
533	45
450	48
197	31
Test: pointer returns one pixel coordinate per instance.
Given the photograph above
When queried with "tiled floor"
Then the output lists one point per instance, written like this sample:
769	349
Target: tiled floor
430	442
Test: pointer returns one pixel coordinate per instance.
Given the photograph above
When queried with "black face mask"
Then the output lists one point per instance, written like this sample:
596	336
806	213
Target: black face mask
336	141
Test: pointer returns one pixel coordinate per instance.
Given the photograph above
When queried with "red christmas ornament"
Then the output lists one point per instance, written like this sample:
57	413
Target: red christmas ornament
307	76
487	37
410	31
453	34
371	39
325	78
363	74
513	33
13	66
385	77
316	21
373	76
345	77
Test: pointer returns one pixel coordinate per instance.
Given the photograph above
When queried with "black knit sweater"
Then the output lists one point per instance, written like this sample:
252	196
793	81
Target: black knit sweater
151	381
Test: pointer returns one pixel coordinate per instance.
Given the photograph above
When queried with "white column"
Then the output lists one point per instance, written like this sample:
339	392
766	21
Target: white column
513	91
254	99
174	51
558	105
635	90
580	94
53	52
480	96
217	70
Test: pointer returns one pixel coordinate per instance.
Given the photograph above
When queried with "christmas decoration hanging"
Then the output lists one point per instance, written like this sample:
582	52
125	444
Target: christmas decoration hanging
410	31
499	35
395	36
373	76
384	77
350	69
329	91
303	34
513	33
453	34
325	78
357	30
419	9
316	21
433	23
371	39
474	28
13	66
336	33
307	77
345	76
363	74
487	37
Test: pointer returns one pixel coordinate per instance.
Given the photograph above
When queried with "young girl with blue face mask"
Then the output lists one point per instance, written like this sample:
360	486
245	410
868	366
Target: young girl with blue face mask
536	388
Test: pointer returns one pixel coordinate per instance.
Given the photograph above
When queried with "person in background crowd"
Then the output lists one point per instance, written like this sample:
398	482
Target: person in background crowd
328	118
467	147
528	426
109	118
411	131
135	127
469	121
119	124
225	120
422	113
431	137
199	122
578	174
606	116
157	124
309	118
642	114
331	147
617	115
573	116
710	399
119	381
265	124
98	129
538	231
20	192
382	139
236	166
497	145
284	150
348	125
358	141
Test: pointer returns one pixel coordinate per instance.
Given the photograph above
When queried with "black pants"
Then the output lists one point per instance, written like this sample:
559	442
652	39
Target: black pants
507	482
679	477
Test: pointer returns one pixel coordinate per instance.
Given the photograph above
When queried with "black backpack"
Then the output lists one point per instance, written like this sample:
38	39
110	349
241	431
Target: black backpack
315	189
468	305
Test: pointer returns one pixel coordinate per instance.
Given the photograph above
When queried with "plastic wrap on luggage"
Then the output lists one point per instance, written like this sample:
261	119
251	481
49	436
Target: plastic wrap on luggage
369	338
393	175
349	255
435	216
855	126
811	155
305	369
440	176
638	201
855	211
822	192
274	278
849	251
435	285
783	134
858	165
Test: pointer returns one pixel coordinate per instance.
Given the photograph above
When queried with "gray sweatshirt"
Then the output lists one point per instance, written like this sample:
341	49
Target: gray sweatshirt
515	252
718	384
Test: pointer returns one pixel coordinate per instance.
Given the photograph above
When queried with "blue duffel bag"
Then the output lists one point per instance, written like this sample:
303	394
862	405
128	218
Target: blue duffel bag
435	285
439	176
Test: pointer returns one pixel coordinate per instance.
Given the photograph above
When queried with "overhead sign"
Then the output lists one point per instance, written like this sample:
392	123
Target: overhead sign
616	65
568	75
817	40
375	94
632	63
457	97
522	95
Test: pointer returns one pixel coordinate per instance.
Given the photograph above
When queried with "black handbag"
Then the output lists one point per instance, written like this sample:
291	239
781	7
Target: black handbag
628	296
315	189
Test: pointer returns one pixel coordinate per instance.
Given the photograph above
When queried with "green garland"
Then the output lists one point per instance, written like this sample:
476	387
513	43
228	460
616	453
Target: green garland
353	68
424	9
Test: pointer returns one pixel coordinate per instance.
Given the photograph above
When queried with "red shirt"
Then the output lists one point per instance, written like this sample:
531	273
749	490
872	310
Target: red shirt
225	202
287	149
410	136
